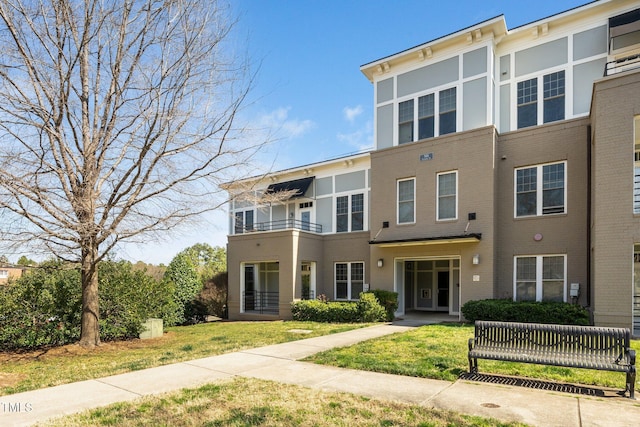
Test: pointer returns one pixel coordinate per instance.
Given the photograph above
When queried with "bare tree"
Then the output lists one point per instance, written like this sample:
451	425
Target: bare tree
117	122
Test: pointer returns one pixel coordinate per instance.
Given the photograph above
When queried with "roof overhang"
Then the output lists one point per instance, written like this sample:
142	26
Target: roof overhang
424	241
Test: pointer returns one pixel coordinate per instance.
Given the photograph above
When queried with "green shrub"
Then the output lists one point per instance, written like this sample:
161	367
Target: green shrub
182	279
388	300
367	309
505	310
43	307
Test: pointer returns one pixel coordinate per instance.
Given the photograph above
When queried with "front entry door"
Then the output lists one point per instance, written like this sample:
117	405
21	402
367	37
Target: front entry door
443	290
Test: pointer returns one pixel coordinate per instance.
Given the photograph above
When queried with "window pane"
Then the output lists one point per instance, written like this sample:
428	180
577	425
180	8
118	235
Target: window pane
552	267
341	281
405	201
405	122
357	212
526	269
239	223
447	196
248	220
342	214
525	291
447	111
526	186
553	88
553	188
357	279
553	291
636	170
426	112
527	103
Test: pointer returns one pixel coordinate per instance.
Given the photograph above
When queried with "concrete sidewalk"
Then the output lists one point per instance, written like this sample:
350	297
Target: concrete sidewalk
280	363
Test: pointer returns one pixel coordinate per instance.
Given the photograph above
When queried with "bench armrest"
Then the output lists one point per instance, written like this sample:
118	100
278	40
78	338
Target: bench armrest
632	356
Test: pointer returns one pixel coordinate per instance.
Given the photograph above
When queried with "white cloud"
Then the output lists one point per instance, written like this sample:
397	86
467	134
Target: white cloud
279	123
350	114
359	140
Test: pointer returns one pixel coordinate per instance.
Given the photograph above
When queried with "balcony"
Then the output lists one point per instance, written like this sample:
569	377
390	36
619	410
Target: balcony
283	224
623	64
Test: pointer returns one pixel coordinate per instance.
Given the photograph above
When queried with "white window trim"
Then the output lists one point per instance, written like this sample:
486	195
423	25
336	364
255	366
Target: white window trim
349	285
539	190
539	76
455	217
365	213
539	274
398	201
436	111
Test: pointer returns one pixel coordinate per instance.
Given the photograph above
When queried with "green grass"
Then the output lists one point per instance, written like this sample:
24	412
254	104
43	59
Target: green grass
55	366
440	352
251	402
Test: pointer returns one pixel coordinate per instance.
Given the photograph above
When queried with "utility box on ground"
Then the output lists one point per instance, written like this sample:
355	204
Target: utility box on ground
152	328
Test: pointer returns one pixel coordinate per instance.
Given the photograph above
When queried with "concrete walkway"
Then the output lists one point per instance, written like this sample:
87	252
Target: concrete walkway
280	363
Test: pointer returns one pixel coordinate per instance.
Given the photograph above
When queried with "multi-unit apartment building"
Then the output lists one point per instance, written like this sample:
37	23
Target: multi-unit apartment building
506	165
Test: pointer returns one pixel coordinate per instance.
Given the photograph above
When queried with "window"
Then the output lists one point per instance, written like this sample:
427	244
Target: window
424	124
405	122
540	190
406	201
350	216
349	280
426	117
527	103
243	222
448	111
553	96
540	278
4	274
636	167
447	195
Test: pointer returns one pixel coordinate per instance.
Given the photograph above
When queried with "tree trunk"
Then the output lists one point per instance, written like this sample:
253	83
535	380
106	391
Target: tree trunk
89	326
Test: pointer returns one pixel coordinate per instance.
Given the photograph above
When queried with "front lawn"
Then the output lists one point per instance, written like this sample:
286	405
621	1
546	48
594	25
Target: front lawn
440	352
60	365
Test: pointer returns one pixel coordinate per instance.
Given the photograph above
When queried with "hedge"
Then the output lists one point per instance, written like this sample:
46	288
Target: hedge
505	310
367	309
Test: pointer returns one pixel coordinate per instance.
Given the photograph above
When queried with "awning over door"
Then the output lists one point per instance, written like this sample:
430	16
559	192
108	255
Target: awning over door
297	187
422	241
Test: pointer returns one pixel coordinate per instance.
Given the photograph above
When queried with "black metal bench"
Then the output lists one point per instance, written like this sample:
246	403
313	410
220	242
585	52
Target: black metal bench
587	347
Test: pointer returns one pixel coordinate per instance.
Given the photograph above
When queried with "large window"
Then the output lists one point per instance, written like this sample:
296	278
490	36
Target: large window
350	213
406	201
540	278
552	92
4	274
349	280
540	190
243	221
447	195
422	122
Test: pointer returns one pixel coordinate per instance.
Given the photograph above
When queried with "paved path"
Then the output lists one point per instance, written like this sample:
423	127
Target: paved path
280	363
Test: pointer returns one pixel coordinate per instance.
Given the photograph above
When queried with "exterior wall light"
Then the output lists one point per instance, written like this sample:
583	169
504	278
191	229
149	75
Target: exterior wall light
380	263
476	259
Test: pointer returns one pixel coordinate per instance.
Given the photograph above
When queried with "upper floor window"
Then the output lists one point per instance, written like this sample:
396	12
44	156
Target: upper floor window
423	122
350	213
243	222
349	280
553	96
405	122
539	278
448	111
447	195
406	201
540	190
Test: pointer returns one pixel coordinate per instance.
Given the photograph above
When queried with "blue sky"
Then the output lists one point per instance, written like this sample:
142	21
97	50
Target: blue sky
309	87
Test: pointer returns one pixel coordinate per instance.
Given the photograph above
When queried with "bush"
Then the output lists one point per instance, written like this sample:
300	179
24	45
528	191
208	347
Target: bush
367	309
388	300
43	307
504	310
214	295
182	279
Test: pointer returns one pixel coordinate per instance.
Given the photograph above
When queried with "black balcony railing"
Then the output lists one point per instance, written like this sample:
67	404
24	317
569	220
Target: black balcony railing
261	302
623	64
284	224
